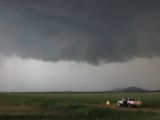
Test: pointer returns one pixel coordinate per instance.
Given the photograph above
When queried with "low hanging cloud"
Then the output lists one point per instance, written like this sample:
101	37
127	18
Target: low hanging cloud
80	30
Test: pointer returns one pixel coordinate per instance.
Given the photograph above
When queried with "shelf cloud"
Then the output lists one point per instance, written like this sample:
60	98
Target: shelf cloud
83	31
79	45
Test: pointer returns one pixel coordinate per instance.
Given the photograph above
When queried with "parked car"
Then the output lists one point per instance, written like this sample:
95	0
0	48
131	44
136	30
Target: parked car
130	102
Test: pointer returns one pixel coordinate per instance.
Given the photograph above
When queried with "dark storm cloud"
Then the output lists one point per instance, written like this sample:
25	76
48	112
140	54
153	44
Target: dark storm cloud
80	30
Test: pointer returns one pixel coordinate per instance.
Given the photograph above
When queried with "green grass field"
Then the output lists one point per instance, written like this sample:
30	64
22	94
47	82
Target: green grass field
76	106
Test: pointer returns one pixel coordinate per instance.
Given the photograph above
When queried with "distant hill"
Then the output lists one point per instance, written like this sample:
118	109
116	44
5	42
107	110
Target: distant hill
129	89
134	89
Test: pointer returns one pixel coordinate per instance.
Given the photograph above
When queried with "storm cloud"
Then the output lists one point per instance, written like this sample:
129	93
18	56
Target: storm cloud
80	30
79	45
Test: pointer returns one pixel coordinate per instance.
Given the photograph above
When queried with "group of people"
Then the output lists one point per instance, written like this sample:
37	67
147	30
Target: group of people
124	101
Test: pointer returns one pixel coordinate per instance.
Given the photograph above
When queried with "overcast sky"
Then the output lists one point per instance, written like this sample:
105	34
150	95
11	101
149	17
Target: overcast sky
79	45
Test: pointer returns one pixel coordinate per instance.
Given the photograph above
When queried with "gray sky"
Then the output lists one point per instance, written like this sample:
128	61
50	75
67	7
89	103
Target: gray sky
79	45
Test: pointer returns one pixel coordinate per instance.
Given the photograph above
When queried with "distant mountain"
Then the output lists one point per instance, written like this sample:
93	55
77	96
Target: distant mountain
134	89
129	89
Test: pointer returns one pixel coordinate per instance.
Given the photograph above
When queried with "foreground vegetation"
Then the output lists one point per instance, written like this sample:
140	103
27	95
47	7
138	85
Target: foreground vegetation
73	106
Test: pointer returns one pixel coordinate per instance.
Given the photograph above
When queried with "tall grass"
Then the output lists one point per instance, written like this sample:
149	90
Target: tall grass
81	106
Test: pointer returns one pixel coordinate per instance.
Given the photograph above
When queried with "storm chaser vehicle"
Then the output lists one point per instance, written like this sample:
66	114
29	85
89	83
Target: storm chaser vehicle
130	102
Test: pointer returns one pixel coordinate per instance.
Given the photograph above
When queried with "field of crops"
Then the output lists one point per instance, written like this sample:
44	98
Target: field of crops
76	106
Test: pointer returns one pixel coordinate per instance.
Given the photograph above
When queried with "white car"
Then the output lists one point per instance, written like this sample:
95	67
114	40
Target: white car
130	102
